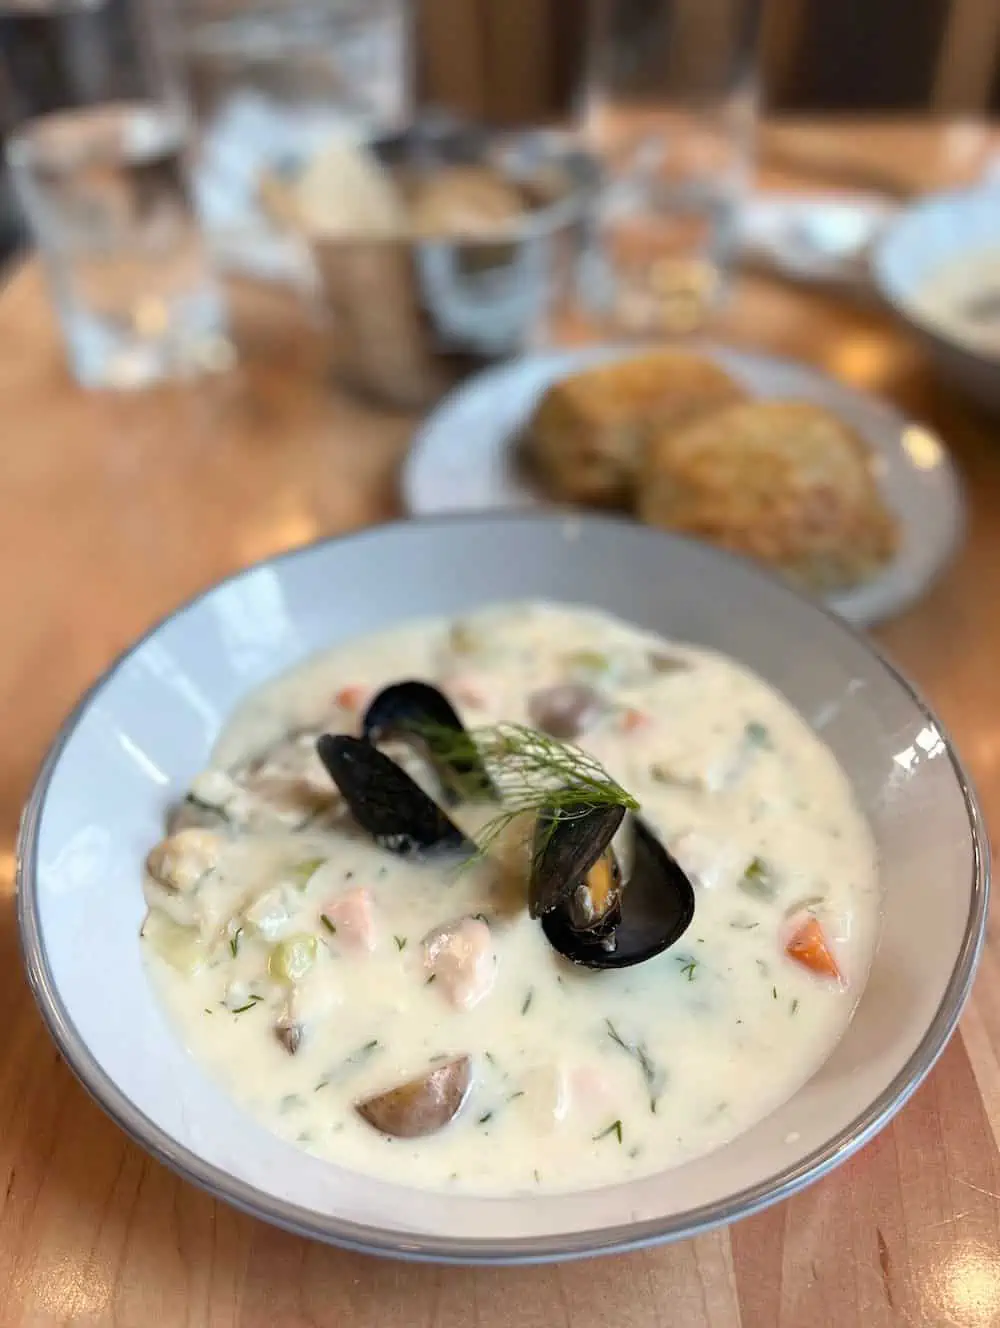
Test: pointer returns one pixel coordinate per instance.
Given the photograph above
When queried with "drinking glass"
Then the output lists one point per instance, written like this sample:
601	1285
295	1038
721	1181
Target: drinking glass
270	82
98	166
669	108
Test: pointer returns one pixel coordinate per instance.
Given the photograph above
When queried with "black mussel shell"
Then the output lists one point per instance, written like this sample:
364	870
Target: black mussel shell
568	842
412	710
656	908
386	802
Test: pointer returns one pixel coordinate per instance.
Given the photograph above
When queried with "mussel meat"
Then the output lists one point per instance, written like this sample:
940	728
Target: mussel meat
420	713
591	911
386	802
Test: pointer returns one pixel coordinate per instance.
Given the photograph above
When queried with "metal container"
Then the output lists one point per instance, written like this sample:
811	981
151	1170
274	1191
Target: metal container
411	314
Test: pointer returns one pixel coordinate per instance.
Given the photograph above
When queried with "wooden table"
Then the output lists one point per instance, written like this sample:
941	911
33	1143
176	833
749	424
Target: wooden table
115	509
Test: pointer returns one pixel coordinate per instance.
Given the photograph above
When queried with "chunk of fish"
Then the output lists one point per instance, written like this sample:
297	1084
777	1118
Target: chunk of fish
352	916
548	1096
285	790
461	959
181	862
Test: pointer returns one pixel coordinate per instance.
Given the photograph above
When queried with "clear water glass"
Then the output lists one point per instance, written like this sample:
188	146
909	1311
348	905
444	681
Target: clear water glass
105	192
669	108
270	82
98	164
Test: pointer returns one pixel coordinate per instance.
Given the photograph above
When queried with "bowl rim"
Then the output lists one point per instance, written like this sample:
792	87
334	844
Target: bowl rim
424	1247
901	300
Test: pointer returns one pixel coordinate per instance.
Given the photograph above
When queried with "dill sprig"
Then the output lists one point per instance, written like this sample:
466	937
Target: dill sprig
653	1077
530	771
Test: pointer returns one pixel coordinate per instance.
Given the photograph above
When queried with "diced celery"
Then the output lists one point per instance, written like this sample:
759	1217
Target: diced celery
588	662
303	872
292	958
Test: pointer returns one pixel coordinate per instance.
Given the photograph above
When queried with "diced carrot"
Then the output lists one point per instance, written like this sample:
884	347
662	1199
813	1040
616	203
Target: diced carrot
633	719
350	698
807	945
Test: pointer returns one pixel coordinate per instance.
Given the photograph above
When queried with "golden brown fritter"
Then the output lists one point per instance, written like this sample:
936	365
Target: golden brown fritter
784	482
586	438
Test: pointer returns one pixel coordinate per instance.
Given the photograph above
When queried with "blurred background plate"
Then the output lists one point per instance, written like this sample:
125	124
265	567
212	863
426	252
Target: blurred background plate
463	458
958	233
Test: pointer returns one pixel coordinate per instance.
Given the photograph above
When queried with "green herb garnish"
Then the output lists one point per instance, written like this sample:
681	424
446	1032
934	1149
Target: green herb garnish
242	1009
652	1076
757	734
486	1116
328	924
348	1063
614	1128
757	880
400	942
795	1006
234	941
430	979
526	1004
688	967
362	1052
529	771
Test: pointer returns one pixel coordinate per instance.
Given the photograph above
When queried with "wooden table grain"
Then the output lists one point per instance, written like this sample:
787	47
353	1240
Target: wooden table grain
114	510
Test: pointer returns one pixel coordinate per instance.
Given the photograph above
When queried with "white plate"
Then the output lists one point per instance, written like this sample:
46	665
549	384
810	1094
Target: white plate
462	459
927	236
134	742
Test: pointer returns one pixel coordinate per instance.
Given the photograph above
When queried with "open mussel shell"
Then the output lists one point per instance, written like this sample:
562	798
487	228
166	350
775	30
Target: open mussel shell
643	915
568	843
420	713
386	802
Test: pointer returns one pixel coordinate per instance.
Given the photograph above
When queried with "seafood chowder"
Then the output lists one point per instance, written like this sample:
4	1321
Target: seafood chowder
526	901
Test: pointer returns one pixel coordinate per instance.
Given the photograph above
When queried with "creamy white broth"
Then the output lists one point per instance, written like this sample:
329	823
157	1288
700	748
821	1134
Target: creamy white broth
717	1031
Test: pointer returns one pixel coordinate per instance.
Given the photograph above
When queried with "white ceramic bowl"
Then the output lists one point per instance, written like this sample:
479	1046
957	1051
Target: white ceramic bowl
148	725
926	236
